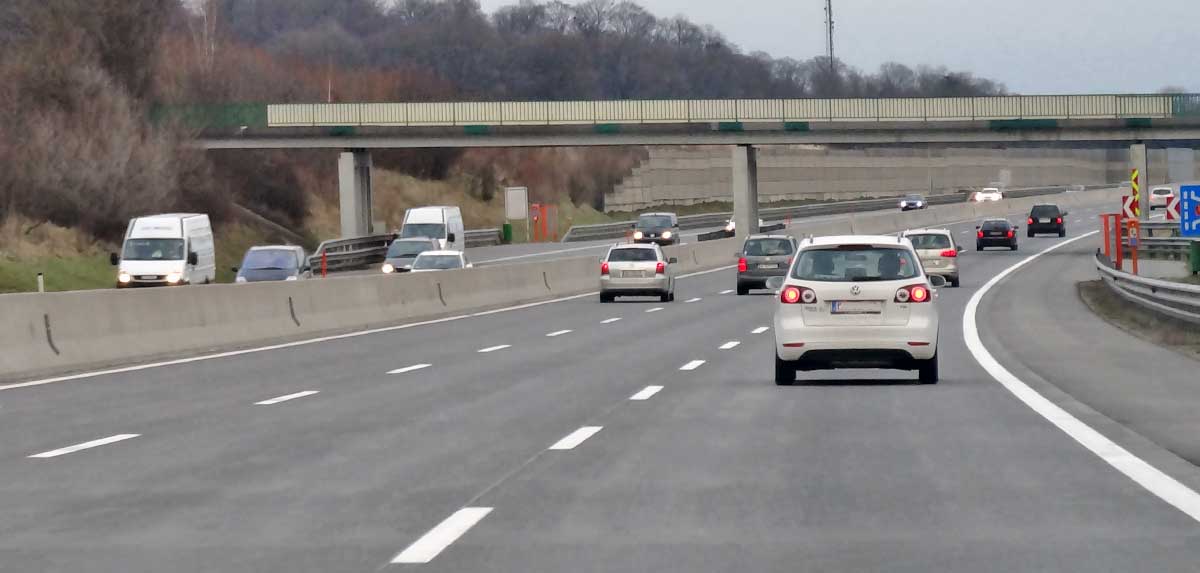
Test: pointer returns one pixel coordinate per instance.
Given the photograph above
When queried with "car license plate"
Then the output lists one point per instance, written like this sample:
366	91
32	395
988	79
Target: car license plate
768	266
147	277
632	274
857	307
1043	220
996	234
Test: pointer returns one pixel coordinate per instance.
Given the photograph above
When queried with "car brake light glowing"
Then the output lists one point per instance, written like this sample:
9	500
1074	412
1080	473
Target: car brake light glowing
912	293
1030	221
604	268
1058	220
742	265
661	268
919	294
1010	233
951	253
790	295
980	234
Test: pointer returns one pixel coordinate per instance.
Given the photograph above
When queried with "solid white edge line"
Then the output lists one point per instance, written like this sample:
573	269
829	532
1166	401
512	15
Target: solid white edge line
85	446
493	348
692	365
760	330
430	545
1154	480
730	345
646	393
412	368
572	440
280	399
557	333
610	320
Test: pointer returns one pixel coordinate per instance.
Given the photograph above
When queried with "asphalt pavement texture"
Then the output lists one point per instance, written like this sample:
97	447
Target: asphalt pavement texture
719	470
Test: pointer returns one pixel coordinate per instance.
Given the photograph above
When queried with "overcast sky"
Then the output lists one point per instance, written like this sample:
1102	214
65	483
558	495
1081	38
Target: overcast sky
1032	46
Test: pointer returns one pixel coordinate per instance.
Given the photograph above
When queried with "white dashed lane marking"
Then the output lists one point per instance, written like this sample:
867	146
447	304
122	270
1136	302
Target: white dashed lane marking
85	446
697	299
646	393
760	330
558	333
692	365
274	401
439	538
494	348
409	368
610	320
572	440
655	309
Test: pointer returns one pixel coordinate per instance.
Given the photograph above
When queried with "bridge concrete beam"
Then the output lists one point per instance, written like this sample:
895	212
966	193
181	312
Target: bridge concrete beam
354	192
745	189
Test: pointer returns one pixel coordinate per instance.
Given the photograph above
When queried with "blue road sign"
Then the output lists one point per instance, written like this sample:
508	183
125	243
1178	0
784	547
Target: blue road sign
1189	210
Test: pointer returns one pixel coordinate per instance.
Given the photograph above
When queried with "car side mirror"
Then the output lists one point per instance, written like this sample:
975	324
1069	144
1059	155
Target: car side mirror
193	259
114	259
977	227
234	269
672	260
961	249
775	283
938	281
451	237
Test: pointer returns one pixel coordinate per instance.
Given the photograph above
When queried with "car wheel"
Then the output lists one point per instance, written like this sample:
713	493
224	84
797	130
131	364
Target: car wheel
672	297
1014	246
785	373
978	247
954	281
743	290
664	297
1062	233
929	370
606	297
1029	234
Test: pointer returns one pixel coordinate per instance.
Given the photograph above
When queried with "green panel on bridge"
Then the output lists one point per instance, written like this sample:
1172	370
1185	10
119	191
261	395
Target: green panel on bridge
607	128
796	126
730	126
1185	105
1022	124
477	130
214	116
342	131
1139	122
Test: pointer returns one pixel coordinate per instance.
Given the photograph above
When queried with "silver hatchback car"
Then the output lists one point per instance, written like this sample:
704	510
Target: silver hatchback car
636	270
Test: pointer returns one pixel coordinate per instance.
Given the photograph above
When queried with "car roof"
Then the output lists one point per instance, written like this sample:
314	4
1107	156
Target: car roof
1046	205
926	232
1164	188
854	240
650	246
768	236
455	253
658	213
276	248
997	220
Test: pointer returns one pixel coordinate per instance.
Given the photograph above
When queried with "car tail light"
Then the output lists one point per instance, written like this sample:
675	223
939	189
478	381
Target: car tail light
913	294
950	253
1010	233
661	268
795	294
1029	221
979	234
742	265
789	262
604	268
1058	220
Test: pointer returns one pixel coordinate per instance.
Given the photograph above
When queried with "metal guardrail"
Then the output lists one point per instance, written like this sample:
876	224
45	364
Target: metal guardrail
1178	300
483	237
689	222
347	254
615	112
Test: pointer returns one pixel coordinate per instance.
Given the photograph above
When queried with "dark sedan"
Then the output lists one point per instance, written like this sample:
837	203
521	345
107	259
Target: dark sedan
996	233
1047	219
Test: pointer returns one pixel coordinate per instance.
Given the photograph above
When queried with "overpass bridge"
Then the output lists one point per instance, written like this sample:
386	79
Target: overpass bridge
1136	120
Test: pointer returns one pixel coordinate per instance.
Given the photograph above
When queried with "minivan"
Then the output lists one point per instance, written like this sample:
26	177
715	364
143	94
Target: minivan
166	250
441	224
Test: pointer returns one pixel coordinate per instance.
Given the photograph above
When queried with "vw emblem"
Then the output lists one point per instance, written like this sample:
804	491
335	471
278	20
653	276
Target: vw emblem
855	290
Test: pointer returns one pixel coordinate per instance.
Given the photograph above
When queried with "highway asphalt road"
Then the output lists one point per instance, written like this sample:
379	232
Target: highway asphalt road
509	442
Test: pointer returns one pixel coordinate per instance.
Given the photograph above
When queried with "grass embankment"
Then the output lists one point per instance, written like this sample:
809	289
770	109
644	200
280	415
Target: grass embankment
1161	330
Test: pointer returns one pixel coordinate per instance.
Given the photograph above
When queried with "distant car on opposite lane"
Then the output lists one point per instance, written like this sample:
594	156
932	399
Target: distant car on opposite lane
856	302
913	201
1160	197
731	226
273	263
989	194
402	252
996	233
1046	219
440	261
658	228
938	252
763	257
636	270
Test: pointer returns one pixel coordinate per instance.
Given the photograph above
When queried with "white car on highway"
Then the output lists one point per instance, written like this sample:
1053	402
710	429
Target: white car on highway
440	261
1160	197
856	302
639	269
989	194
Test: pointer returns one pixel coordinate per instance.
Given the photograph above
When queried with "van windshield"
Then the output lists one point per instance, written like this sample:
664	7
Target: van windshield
654	222
427	230
270	259
399	249
153	250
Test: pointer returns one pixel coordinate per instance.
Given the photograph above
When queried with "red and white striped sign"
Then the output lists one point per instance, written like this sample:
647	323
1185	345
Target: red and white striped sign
1173	208
1128	207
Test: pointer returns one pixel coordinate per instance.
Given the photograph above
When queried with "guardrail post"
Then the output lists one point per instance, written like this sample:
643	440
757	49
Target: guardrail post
324	264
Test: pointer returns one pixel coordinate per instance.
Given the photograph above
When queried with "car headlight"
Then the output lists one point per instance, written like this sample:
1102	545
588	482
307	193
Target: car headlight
292	278
124	278
638	235
666	235
388	268
729	226
239	279
174	277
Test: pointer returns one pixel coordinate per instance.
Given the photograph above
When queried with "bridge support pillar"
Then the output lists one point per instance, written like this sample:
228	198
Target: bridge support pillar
745	189
1137	160
354	192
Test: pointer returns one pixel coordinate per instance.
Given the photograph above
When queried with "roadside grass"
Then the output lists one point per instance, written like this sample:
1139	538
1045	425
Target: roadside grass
1162	330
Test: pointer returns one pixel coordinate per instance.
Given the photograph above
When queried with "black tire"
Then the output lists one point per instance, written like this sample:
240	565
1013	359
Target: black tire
785	372
954	281
978	247
743	290
606	297
672	298
1062	233
1029	234
929	370
664	297
1013	247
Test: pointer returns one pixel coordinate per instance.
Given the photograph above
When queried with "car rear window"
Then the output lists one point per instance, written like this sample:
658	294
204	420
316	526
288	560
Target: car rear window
929	241
632	255
768	248
1045	211
995	225
855	263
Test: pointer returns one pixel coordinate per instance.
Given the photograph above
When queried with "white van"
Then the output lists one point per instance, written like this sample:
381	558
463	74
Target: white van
442	224
171	249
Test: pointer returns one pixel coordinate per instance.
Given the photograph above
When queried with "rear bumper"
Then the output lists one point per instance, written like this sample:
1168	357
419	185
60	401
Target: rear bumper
849	340
1045	228
998	242
759	277
657	284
